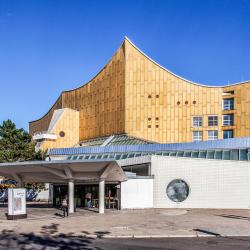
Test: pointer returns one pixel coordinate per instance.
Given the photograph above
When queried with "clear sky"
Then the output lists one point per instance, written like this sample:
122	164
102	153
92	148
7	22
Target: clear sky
54	45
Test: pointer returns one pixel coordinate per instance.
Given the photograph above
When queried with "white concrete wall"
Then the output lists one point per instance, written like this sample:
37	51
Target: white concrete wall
44	195
213	183
137	193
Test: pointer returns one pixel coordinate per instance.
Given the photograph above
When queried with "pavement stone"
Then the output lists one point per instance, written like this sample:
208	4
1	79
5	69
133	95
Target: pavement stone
147	223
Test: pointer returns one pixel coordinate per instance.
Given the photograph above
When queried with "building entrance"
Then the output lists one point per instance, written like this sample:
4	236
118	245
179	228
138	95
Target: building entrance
87	195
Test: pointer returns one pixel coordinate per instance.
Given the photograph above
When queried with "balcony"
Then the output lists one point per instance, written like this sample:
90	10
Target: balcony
44	135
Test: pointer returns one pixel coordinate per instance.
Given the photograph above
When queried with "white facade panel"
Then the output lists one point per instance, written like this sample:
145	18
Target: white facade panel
212	183
137	193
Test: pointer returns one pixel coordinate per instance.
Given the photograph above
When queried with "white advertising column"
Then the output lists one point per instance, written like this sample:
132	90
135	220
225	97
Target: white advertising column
71	197
16	203
101	196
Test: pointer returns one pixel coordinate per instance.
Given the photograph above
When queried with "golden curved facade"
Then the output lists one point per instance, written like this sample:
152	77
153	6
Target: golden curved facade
133	94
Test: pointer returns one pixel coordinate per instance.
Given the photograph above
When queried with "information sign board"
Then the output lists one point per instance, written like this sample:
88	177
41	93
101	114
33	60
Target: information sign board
16	203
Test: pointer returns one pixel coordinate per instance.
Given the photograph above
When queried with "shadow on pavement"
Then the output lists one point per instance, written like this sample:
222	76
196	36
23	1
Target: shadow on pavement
48	239
11	240
231	216
205	231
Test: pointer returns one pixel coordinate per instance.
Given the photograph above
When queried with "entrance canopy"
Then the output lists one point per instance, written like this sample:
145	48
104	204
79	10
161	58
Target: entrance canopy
63	171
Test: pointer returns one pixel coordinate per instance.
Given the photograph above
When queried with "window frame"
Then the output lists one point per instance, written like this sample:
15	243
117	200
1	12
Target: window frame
228	106
228	123
228	130
197	126
212	138
213	116
198	137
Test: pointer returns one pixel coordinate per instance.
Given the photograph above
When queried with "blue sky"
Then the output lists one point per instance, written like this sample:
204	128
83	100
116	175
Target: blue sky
55	45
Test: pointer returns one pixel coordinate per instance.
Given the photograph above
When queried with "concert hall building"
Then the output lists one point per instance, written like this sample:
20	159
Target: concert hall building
145	137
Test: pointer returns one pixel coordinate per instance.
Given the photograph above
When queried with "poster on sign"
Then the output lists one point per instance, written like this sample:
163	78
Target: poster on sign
16	203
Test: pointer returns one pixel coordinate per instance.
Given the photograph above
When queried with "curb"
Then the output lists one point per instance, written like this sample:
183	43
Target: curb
156	236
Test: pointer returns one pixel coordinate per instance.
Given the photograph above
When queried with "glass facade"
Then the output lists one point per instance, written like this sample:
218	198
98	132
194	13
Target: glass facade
114	140
217	154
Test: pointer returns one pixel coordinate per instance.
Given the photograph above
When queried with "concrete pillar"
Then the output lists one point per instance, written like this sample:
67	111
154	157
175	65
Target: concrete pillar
101	196
71	197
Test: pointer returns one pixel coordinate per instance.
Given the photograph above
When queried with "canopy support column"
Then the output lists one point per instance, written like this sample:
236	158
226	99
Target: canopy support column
101	196
18	178
71	196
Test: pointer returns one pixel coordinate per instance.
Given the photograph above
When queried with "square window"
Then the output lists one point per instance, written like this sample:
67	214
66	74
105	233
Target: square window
228	120
228	134
228	104
213	120
197	121
212	135
197	135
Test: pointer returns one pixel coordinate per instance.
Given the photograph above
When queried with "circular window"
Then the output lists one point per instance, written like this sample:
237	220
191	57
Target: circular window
62	134
177	190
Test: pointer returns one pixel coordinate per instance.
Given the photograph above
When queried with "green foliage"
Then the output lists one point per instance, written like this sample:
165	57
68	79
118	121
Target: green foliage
16	144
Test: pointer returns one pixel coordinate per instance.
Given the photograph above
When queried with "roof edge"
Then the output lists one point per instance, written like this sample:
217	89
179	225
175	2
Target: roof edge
182	78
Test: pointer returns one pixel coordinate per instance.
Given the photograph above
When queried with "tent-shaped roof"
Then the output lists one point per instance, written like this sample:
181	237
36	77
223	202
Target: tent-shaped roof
62	171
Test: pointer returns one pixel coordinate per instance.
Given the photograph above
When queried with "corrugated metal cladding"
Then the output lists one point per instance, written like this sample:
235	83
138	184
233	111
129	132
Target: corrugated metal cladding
234	143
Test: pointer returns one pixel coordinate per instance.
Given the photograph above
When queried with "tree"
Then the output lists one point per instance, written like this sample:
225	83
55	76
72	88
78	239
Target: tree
16	144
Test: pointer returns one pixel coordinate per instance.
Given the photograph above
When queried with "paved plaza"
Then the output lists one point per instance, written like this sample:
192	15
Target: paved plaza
43	219
45	228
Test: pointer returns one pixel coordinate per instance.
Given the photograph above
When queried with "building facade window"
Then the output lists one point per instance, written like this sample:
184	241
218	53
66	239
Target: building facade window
212	135
197	121
228	104
213	120
228	134
197	135
228	120
177	190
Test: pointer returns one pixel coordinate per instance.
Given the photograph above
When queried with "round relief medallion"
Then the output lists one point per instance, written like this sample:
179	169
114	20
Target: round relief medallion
177	190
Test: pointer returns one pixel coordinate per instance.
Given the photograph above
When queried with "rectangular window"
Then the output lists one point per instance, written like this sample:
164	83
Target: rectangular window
228	120
212	135
197	135
228	134
228	104
213	120
197	121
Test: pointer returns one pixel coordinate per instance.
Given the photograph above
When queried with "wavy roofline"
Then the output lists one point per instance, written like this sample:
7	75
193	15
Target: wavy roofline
182	78
149	58
84	84
47	111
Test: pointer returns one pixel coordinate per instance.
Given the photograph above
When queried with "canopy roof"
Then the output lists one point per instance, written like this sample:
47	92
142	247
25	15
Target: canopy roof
63	171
